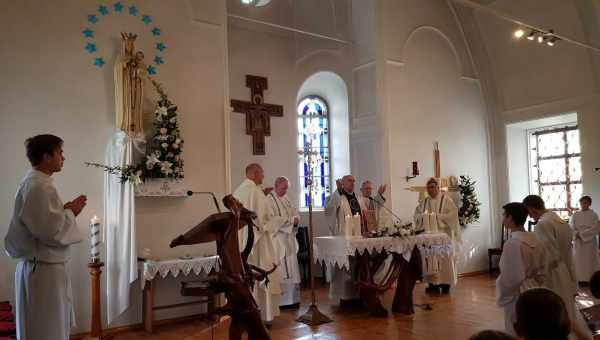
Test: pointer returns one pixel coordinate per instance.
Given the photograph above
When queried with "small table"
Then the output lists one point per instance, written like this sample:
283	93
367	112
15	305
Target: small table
160	269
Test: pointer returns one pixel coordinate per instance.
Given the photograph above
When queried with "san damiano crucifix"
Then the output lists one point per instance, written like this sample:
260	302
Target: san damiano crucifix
258	114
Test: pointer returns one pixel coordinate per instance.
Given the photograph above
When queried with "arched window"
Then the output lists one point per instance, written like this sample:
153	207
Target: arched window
313	126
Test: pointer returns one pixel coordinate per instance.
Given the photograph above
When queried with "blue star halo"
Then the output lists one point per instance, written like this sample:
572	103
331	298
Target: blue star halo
118	7
103	10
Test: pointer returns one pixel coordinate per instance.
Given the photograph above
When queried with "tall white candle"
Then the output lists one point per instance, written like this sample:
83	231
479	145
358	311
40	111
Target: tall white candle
356	227
425	218
95	239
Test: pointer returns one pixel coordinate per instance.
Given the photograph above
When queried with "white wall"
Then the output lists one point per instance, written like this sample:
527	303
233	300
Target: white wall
431	93
532	81
294	64
50	86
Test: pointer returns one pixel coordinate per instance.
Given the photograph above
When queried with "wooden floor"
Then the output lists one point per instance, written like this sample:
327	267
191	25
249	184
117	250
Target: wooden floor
470	308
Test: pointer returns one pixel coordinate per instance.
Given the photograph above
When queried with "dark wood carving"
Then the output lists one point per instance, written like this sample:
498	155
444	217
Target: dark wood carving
404	273
258	114
236	276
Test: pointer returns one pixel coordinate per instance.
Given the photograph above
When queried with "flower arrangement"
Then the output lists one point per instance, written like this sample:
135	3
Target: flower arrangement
394	229
469	208
163	159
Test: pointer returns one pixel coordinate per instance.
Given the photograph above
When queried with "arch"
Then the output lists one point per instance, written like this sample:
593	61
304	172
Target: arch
457	59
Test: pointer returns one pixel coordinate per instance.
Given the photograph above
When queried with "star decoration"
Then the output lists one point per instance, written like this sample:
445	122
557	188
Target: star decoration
103	10
146	19
99	62
133	10
91	48
156	31
151	70
88	33
161	47
158	60
118	7
92	18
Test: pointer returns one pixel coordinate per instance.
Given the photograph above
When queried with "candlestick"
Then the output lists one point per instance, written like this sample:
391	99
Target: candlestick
95	239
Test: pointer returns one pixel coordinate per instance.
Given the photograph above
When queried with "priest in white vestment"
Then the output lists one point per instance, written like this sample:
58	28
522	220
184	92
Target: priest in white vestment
285	242
263	254
437	213
344	207
586	226
371	206
40	234
522	265
556	236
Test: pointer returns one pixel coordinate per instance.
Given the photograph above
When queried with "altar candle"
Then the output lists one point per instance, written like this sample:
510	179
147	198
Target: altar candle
95	239
425	218
356	225
347	225
433	222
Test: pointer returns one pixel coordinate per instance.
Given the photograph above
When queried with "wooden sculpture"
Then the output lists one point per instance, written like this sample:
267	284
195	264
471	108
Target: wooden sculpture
236	276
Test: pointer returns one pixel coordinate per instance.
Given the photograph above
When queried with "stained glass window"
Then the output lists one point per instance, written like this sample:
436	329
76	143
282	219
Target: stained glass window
555	160
313	130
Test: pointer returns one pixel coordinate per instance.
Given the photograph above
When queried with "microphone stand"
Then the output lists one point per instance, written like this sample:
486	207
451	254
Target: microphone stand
190	193
384	207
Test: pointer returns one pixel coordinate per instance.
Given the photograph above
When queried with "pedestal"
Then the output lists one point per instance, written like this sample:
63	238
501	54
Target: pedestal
96	303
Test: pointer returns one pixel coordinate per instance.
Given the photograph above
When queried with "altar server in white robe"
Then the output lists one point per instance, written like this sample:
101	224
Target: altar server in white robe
345	209
585	227
40	234
263	254
285	242
556	236
522	265
438	213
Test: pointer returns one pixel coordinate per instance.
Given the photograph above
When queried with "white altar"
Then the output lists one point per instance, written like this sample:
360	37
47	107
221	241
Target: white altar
336	250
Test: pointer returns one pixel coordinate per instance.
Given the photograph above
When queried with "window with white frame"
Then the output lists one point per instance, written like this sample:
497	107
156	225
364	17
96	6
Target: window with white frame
313	127
555	167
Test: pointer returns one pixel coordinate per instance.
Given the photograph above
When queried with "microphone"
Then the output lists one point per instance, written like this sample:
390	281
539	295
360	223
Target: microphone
190	193
384	207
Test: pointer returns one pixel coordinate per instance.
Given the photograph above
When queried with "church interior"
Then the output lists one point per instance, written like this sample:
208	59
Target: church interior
493	99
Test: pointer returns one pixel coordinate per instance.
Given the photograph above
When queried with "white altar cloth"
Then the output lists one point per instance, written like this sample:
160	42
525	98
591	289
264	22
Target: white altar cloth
175	267
335	250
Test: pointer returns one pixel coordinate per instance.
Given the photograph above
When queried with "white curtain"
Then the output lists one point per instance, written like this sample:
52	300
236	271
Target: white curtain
119	217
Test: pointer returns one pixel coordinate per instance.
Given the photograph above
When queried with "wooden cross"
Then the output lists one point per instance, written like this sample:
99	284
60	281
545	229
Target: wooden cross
258	114
437	169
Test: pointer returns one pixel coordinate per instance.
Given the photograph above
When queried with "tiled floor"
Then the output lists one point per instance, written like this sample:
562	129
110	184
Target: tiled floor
470	308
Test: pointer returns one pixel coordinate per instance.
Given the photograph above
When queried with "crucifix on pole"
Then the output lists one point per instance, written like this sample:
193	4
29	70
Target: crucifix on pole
258	114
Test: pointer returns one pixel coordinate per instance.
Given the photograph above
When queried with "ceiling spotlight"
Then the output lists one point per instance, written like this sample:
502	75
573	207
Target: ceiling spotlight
519	33
248	2
531	35
551	41
540	39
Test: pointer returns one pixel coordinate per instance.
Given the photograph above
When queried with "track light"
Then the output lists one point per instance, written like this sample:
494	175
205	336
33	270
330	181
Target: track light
519	33
547	37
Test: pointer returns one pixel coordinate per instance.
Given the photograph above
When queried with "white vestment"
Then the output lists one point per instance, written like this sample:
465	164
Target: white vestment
341	282
556	236
372	207
522	267
345	223
40	234
263	254
286	247
585	227
440	214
